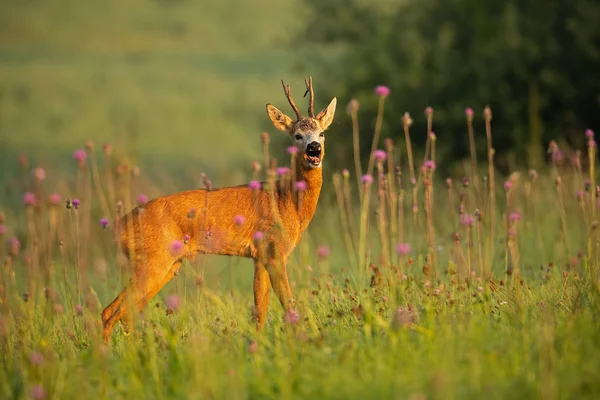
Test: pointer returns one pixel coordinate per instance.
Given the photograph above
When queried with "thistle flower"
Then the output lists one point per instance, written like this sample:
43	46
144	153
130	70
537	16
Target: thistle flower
589	134
37	392
75	203
507	185
367	179
254	185
259	235
292	316
186	238
323	252
54	199
429	111
239	220
514	217
29	199
467	220
104	222
403	249
36	358
283	171
300	186
382	91
173	302
579	194
142	199
176	247
430	165
292	150
14	246
80	155
380	155
469	112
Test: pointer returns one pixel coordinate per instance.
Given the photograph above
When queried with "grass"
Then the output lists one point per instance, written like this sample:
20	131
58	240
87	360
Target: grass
460	311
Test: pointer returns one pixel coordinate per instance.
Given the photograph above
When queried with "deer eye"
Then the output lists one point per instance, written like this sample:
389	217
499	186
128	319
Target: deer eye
322	134
298	137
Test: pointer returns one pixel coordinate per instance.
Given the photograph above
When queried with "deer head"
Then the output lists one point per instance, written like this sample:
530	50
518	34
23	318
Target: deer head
308	133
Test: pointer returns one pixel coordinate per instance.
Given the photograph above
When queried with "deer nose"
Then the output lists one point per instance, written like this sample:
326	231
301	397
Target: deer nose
313	147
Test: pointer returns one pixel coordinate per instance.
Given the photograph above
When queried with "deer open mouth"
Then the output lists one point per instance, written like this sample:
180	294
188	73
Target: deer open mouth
313	157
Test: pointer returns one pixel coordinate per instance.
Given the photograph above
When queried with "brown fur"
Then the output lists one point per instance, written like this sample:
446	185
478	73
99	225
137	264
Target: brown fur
146	233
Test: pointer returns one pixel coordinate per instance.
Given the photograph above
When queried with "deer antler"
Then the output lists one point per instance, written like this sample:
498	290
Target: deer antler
286	90
311	104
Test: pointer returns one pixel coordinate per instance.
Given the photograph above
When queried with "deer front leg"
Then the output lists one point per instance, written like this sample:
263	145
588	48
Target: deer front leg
262	287
279	281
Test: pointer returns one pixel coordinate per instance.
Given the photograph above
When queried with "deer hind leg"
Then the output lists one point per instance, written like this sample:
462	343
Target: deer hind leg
148	279
262	287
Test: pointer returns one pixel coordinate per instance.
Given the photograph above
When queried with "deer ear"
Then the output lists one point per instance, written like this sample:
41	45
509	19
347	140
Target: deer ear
325	117
279	119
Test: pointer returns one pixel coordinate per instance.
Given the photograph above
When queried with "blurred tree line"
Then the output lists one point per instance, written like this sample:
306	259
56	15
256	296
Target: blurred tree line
536	63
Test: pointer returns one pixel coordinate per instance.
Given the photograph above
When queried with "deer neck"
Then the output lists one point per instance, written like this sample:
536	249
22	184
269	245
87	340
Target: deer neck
307	201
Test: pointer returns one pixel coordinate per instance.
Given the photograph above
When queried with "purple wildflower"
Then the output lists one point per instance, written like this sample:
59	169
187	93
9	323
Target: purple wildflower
283	171
380	155
104	222
142	199
430	165
469	112
36	358
254	185
292	150
239	220
507	185
428	111
80	155
467	220
367	179
589	134
176	247
300	186
323	252
382	91
29	199
579	194
292	316
259	235
173	302
37	392
54	199
402	249
514	217
75	203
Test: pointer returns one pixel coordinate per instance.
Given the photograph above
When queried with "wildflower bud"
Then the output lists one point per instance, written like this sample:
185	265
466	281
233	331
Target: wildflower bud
533	175
345	173
367	179
353	106
449	183
428	112
264	137
39	174
89	146
587	184
107	149
558	181
487	113
75	203
380	155
407	120
256	166
389	144
23	161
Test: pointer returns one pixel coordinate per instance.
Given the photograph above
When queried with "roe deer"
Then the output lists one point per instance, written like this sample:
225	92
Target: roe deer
275	209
